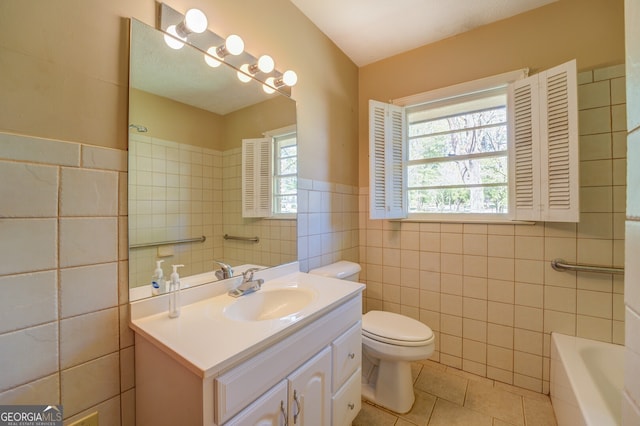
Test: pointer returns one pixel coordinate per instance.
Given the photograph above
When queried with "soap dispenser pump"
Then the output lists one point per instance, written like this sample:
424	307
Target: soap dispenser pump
174	292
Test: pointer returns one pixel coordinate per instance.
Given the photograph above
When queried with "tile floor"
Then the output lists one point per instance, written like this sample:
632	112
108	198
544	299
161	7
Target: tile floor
449	397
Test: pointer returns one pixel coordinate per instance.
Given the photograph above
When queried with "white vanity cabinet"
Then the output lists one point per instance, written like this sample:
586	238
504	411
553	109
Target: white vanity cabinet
310	374
321	364
304	398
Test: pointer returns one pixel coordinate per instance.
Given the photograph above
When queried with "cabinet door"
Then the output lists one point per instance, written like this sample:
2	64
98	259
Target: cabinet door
268	410
348	400
310	392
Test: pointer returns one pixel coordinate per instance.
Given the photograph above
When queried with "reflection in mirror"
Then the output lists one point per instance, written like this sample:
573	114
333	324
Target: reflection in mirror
187	126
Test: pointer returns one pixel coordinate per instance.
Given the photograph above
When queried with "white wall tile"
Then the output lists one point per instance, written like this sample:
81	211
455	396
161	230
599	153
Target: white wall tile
90	383
560	299
89	336
595	304
500	335
37	350
88	288
595	147
37	150
632	63
594	95
27	245
595	120
28	300
95	157
108	412
633	176
527	364
28	190
88	192
594	328
528	341
41	391
85	241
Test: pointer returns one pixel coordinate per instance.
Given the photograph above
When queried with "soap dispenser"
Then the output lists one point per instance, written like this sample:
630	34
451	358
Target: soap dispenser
157	280
174	292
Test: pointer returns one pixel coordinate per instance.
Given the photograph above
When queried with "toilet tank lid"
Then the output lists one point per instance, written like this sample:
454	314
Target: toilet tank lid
340	269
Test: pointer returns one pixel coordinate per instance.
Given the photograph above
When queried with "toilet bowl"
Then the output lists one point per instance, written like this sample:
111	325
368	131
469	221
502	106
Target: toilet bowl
390	342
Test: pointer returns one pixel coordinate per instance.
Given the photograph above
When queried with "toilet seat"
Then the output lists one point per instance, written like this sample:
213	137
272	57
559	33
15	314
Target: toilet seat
395	329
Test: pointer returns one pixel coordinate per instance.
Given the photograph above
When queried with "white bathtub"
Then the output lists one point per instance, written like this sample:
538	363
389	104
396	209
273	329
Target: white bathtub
586	381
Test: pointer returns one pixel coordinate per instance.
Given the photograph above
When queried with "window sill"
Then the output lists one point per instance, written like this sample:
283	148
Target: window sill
290	216
458	219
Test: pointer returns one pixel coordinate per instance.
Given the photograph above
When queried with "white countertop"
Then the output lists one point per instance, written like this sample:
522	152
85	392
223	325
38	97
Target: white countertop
207	342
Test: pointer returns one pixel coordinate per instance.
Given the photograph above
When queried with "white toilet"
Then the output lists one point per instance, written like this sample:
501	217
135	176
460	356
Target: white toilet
390	342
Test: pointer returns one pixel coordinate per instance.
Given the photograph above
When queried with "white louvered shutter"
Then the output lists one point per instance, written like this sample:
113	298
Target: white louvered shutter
524	160
256	177
560	153
544	163
387	174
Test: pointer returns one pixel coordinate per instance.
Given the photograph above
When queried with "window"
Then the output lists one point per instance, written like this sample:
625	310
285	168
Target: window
457	155
269	175
285	174
499	148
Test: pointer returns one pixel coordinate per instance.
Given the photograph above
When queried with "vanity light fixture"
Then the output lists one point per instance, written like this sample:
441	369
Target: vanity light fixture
265	65
289	78
211	58
233	45
191	28
195	21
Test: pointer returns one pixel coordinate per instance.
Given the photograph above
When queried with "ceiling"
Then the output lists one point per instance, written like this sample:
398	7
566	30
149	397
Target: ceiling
370	30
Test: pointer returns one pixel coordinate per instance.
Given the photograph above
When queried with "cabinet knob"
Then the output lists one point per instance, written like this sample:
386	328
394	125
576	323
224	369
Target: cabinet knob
352	355
351	406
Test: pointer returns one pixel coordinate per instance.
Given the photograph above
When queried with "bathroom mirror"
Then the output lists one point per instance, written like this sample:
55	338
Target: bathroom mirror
187	123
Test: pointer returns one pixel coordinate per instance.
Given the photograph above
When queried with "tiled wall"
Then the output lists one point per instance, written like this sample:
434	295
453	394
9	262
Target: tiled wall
277	236
175	193
488	290
181	191
631	400
64	336
327	223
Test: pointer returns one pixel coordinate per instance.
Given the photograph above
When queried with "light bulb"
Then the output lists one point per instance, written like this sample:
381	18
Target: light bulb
212	61
268	85
242	74
195	21
234	44
290	78
172	42
266	64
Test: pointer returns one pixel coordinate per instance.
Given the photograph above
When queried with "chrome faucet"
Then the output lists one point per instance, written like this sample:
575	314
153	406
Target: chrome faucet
248	284
225	270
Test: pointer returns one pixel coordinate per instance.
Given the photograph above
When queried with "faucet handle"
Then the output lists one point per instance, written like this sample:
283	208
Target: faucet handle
227	271
248	274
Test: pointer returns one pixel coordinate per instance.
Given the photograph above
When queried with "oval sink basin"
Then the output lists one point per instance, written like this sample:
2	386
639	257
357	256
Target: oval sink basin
269	304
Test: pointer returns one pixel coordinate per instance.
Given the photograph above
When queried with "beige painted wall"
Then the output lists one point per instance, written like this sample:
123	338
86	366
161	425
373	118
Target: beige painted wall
65	72
175	121
592	31
253	121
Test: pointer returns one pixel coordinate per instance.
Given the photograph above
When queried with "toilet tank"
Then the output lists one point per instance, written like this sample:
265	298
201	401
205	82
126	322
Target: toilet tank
343	270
